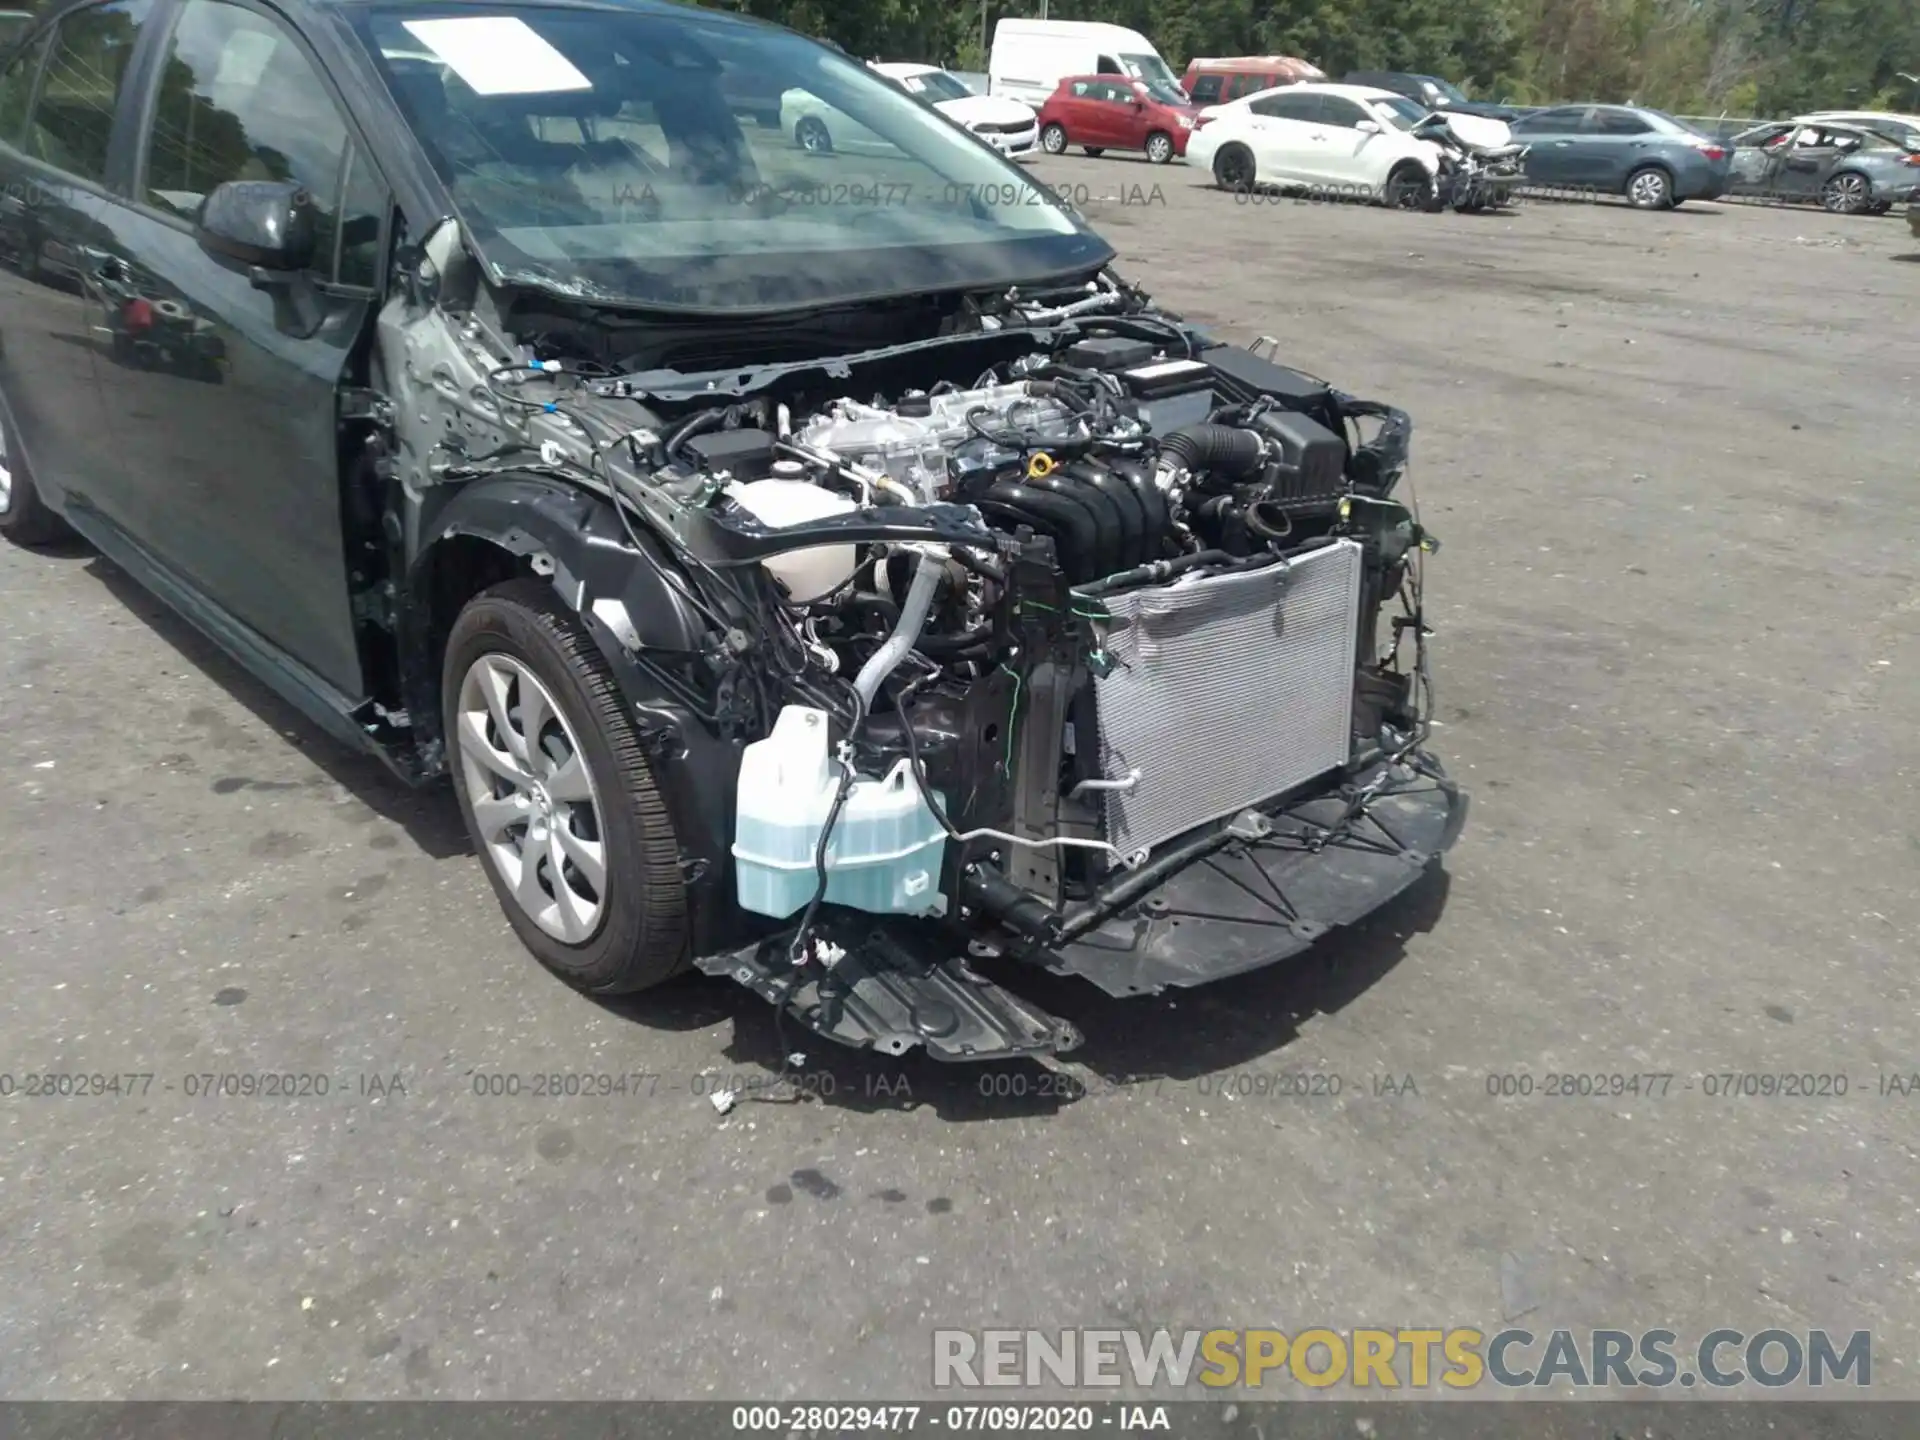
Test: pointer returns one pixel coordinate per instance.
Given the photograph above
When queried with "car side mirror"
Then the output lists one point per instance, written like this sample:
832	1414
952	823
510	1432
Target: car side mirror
1367	127
267	224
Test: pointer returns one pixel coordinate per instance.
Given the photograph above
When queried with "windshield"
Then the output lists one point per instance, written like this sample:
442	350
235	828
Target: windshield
1150	68
603	154
1401	113
1446	88
1166	92
934	85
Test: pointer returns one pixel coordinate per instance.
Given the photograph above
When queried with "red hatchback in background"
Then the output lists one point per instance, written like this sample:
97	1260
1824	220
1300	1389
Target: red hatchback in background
1112	112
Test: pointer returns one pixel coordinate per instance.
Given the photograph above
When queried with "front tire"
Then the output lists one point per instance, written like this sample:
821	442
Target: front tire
557	794
24	516
1160	147
1650	188
1053	139
1409	187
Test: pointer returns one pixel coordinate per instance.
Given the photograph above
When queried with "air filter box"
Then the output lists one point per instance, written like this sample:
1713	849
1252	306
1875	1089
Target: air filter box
1313	463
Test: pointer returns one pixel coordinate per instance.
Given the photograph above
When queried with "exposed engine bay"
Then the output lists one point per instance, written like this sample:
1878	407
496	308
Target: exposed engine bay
1065	636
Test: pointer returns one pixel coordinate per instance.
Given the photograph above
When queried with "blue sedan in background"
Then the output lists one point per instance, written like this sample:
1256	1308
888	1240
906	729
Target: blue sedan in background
1651	158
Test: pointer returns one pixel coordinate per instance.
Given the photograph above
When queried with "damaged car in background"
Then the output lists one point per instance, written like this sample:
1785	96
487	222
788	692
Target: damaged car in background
820	569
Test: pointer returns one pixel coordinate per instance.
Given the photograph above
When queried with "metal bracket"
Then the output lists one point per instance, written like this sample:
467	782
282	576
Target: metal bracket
359	403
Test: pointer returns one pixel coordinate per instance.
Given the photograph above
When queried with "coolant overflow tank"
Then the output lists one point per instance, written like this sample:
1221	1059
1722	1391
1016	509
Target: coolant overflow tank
887	849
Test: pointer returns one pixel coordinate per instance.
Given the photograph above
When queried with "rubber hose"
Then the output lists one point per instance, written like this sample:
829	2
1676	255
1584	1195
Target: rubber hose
913	615
1222	449
698	423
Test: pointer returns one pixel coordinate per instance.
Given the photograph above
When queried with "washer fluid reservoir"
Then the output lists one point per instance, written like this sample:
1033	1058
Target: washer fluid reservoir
887	848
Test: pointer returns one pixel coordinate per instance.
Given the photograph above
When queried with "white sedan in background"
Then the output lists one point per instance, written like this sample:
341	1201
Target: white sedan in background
1009	126
1337	140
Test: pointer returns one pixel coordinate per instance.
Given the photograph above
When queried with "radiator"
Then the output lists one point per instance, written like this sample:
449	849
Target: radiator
1226	691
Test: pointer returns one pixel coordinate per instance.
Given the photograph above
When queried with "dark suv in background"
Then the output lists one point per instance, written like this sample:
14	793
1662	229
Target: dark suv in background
1431	91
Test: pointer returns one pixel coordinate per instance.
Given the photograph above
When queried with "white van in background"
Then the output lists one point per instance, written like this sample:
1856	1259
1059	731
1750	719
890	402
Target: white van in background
1030	57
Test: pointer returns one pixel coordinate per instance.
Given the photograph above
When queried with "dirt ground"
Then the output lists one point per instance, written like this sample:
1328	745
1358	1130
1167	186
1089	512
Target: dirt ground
1672	462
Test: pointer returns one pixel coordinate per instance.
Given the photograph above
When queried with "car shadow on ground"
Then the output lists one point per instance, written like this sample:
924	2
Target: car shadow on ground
1150	1047
428	815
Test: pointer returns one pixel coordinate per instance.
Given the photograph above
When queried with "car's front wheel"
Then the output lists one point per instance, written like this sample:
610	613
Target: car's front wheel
1160	147
24	516
1846	194
1409	187
558	796
1053	139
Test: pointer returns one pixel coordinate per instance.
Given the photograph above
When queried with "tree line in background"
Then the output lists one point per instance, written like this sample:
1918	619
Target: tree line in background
1700	57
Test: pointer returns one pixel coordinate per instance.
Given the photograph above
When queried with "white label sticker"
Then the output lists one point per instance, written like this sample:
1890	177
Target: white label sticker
498	55
1166	367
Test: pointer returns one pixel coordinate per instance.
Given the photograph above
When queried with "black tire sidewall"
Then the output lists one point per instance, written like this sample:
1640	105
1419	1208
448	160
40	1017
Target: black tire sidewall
624	952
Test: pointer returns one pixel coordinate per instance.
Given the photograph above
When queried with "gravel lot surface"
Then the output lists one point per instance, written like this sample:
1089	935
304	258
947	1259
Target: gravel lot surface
1672	461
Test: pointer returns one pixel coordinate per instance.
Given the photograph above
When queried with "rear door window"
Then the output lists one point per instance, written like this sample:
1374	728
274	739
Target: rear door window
1563	121
1616	122
72	122
1289	107
1206	90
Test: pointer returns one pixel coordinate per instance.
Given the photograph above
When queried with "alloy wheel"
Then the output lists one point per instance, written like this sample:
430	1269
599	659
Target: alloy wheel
535	805
1846	194
1053	140
813	137
1159	149
1648	189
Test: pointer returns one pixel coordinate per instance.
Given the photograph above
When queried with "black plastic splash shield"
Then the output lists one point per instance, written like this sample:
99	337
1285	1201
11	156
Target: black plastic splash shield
896	986
1260	901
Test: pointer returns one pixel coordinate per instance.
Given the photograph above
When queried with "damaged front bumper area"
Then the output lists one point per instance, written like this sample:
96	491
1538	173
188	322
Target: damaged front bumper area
1226	899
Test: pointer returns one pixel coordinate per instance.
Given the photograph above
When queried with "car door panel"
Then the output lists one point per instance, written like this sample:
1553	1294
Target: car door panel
226	388
1338	144
1553	138
1106	117
1280	138
57	106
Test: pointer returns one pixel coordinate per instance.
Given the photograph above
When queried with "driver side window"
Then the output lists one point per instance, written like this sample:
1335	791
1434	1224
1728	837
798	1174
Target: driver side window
240	100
